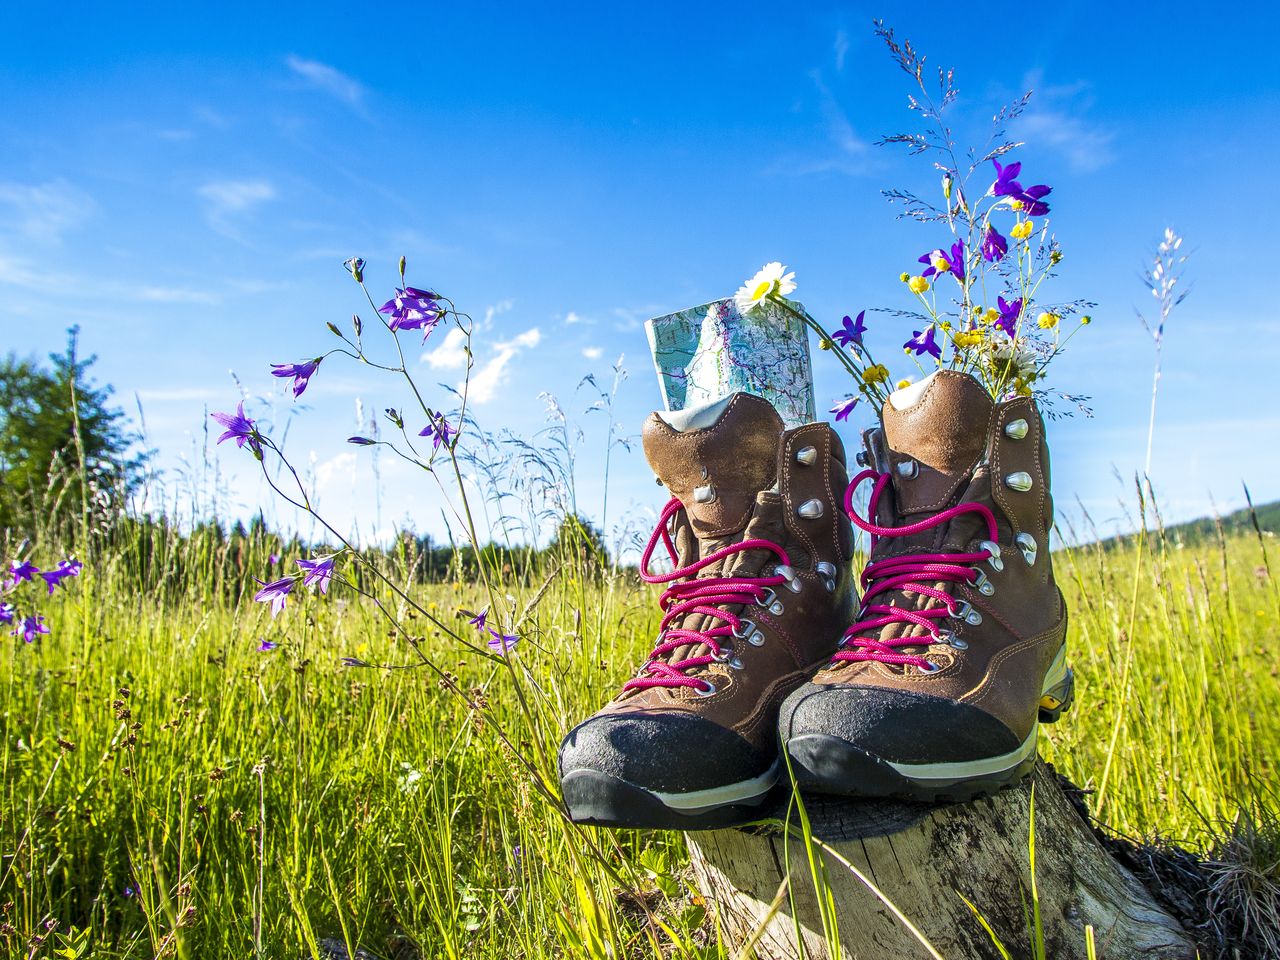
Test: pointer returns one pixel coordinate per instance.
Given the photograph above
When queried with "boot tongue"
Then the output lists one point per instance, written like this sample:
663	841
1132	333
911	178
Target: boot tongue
716	468
936	434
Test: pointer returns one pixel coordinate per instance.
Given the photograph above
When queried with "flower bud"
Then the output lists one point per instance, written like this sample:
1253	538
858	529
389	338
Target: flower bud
355	266
394	416
356	322
1055	258
1086	320
946	185
361	441
333	328
904	276
402	266
824	344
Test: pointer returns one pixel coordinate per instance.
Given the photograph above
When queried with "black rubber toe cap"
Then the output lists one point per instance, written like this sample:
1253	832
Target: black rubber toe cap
896	725
666	752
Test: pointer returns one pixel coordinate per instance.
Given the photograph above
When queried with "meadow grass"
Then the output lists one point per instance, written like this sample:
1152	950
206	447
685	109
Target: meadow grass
171	790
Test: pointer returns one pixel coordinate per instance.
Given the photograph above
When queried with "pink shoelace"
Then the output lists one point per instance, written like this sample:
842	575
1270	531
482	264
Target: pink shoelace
706	595
902	573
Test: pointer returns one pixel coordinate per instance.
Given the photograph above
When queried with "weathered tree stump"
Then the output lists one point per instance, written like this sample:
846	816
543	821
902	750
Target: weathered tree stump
926	859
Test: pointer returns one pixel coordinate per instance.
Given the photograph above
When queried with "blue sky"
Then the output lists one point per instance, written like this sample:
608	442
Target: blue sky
185	185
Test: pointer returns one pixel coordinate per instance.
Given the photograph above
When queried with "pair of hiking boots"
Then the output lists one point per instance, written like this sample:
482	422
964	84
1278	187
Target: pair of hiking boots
933	691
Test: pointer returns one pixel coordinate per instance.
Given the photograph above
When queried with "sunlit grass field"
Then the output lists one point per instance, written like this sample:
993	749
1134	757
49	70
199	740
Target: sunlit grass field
169	789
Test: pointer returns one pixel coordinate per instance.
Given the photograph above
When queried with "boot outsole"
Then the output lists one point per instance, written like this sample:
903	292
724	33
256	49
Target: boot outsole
823	763
601	800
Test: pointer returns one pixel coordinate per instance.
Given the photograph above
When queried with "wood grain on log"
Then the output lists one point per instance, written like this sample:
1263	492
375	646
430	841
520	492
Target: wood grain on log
926	860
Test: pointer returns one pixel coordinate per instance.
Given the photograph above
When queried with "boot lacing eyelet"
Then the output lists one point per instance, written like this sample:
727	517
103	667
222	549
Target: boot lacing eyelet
993	549
948	638
771	602
706	690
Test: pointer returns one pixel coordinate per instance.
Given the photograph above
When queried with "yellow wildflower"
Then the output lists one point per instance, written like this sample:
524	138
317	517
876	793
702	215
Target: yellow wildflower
1022	229
918	284
992	315
967	338
904	382
1047	321
1086	320
904	276
1016	204
878	373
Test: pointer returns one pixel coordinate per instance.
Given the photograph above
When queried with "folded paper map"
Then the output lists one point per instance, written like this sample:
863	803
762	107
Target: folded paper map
706	353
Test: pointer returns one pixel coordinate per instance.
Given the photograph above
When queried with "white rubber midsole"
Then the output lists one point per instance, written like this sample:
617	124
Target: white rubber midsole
972	769
744	790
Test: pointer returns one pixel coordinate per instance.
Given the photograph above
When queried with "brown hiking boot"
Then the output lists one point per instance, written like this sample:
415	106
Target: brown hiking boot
759	593
959	649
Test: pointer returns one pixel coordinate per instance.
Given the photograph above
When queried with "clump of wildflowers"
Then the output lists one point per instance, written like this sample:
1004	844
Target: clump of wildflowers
998	245
26	622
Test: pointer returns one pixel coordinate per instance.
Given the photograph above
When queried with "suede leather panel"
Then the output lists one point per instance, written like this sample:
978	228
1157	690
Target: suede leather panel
737	456
944	432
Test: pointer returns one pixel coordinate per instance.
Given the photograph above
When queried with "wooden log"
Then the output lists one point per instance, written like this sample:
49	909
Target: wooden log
924	859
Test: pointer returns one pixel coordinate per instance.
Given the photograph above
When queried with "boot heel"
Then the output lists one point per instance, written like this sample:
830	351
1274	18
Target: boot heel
1058	698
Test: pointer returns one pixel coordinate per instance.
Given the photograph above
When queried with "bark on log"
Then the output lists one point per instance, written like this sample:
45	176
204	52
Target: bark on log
923	858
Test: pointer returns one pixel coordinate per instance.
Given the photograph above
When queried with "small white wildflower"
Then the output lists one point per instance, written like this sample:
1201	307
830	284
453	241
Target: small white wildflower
771	280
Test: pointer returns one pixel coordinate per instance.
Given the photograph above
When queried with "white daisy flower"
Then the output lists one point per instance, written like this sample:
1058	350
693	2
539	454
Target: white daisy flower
1024	356
770	281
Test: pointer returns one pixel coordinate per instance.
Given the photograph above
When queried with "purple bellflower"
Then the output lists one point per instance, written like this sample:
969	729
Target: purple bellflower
439	431
923	343
1032	203
67	568
502	643
1007	185
318	573
413	309
301	373
266	646
1009	313
994	246
953	258
238	428
7	612
480	620
844	408
18	572
851	332
275	593
29	628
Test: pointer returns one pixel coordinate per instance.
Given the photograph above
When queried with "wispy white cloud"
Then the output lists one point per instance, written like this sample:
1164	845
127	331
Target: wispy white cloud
847	152
451	354
572	319
329	79
494	374
25	273
841	47
43	212
150	294
1057	117
226	200
593	353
